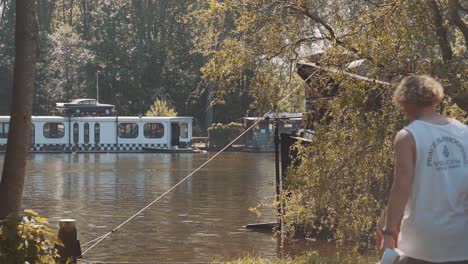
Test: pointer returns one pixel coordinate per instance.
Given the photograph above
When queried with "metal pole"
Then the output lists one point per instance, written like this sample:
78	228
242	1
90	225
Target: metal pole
277	172
117	131
97	86
69	135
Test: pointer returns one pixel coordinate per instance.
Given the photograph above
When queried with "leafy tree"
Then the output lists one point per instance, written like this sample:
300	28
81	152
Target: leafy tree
161	108
345	174
65	61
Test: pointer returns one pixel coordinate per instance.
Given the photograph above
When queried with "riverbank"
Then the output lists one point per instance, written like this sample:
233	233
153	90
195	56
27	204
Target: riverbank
309	258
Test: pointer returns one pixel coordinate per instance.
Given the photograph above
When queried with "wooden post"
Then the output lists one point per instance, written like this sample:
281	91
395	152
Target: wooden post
71	249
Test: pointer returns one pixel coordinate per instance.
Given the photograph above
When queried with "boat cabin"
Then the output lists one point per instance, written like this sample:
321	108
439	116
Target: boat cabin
104	134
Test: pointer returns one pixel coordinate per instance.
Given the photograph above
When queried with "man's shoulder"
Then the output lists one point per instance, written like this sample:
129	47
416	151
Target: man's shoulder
404	137
403	134
459	123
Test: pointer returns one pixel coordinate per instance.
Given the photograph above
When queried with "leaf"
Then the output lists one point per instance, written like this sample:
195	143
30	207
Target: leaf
30	212
41	220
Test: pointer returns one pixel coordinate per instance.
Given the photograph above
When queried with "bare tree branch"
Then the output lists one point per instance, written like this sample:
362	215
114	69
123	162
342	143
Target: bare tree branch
461	7
373	21
331	33
379	5
441	31
295	45
453	8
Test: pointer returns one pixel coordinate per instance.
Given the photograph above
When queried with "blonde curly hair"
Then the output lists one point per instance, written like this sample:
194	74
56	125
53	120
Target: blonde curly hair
422	90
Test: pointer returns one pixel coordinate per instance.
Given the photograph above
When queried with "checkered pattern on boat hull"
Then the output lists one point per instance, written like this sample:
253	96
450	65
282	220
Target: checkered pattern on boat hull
89	147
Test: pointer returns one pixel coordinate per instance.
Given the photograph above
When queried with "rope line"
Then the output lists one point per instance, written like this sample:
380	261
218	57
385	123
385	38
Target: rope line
99	239
89	242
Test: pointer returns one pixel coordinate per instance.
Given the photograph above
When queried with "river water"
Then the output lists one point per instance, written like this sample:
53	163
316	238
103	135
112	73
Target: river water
199	221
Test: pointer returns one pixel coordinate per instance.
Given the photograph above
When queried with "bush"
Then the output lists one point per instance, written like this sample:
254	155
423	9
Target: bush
30	242
221	134
345	175
161	108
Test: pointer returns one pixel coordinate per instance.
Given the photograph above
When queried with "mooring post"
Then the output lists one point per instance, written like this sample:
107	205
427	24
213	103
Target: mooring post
70	250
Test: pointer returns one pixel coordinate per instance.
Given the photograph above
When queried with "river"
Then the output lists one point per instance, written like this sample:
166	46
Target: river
199	221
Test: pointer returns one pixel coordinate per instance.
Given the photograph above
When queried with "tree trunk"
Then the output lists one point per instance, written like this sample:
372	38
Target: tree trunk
26	55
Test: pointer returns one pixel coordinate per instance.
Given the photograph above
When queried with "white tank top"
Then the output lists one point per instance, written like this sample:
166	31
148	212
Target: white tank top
435	221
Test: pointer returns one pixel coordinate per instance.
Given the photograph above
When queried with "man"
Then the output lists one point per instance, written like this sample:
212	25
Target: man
430	186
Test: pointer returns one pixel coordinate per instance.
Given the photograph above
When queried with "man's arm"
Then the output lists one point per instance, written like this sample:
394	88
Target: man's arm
405	158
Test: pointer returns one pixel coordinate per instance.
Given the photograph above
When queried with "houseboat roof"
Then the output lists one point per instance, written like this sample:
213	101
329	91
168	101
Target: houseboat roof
107	118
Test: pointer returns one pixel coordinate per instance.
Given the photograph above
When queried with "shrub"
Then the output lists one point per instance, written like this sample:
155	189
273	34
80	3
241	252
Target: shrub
161	108
30	242
221	134
345	174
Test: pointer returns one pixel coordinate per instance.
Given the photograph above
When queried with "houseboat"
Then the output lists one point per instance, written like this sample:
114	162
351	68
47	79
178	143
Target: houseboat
105	133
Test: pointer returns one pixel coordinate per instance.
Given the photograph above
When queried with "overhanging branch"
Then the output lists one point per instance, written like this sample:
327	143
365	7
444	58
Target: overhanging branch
453	8
441	31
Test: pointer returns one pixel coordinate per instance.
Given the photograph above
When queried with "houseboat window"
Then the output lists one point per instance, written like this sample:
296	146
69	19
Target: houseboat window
97	133
86	133
54	130
4	130
76	133
153	130
183	130
128	130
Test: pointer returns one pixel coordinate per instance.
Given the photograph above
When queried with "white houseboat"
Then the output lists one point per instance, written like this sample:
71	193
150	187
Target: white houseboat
105	134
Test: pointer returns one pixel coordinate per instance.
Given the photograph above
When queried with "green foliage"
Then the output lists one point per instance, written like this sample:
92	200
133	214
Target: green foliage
161	108
31	241
221	134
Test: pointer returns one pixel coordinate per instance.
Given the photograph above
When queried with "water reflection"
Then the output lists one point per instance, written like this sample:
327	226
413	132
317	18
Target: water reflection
200	221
